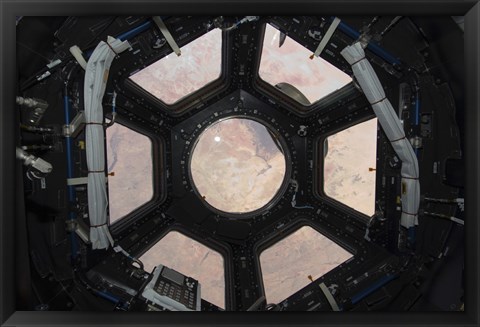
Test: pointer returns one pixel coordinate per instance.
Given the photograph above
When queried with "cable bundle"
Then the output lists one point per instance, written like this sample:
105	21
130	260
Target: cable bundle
96	77
373	90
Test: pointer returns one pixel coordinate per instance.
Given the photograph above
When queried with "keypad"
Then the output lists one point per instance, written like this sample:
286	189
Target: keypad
176	293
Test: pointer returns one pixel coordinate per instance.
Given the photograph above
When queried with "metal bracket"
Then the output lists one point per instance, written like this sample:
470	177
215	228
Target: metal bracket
83	231
329	296
79	228
416	142
77	181
326	38
166	33
71	225
76	125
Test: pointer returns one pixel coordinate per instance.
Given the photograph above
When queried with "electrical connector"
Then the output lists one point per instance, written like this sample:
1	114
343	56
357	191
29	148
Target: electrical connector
38	107
248	19
461	204
33	162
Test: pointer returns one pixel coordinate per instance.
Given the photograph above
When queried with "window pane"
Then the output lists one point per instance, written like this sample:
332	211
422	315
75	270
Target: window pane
348	174
291	64
237	166
192	259
174	77
287	264
129	157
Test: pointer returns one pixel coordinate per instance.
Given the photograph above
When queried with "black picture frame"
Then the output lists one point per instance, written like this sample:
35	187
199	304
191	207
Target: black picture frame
10	9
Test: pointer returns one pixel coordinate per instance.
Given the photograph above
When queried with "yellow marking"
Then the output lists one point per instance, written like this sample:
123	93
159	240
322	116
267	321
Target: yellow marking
105	76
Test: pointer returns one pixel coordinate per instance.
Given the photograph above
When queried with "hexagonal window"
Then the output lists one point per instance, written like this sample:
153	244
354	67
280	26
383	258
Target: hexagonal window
175	77
237	165
287	265
129	157
289	68
193	259
349	166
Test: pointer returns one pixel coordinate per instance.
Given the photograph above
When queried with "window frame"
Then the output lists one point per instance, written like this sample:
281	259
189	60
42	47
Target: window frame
224	251
193	99
269	90
319	168
282	188
290	229
158	174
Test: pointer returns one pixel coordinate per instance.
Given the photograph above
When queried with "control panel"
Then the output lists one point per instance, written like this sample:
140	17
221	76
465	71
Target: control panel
173	290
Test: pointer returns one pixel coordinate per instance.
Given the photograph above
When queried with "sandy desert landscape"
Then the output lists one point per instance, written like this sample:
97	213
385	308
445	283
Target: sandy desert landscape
291	63
129	157
174	77
236	166
193	259
351	154
287	264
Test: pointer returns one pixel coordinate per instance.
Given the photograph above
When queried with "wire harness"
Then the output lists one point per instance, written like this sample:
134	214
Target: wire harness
96	77
373	90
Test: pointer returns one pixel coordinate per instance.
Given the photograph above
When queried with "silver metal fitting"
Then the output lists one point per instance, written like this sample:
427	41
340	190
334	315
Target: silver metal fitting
75	126
417	142
34	162
39	107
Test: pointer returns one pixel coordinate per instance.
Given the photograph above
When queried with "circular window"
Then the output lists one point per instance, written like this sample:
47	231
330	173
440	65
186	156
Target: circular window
237	165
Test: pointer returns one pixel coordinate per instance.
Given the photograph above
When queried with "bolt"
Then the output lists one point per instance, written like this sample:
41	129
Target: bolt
41	307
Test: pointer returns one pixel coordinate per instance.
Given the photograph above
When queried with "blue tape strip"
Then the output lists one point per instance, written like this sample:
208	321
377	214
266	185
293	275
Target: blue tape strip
108	297
71	188
379	51
417	110
411	230
130	34
372	288
135	31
